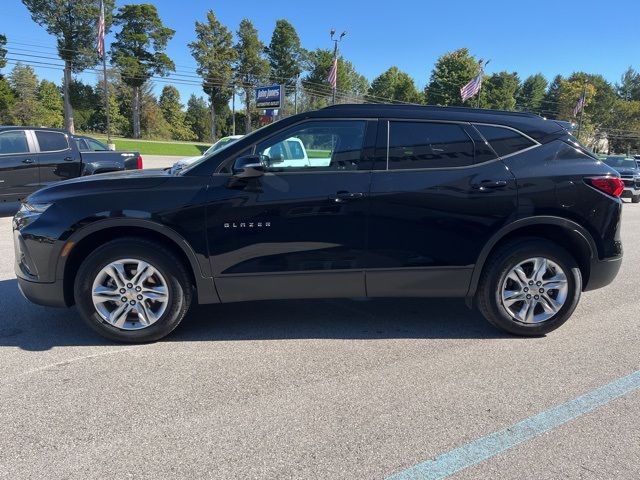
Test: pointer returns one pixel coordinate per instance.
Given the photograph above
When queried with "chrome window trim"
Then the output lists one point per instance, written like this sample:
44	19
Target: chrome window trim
27	137
37	143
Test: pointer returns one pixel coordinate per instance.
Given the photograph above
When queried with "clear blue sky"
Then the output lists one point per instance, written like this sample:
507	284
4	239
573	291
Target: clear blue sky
550	37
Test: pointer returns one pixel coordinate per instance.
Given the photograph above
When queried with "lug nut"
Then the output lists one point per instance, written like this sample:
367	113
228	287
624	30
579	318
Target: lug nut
139	297
536	297
132	302
122	290
539	283
528	297
526	289
542	290
129	285
531	282
124	299
138	289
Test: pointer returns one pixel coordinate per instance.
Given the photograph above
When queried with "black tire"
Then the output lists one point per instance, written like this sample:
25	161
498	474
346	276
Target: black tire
498	266
179	286
635	199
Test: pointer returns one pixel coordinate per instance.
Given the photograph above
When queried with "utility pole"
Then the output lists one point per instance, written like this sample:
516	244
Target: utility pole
482	65
233	109
584	101
335	55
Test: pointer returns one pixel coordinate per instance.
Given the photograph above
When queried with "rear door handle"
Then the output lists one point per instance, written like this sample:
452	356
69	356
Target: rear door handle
490	184
27	160
342	196
68	159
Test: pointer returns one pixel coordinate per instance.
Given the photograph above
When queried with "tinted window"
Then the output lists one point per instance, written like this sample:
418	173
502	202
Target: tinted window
13	142
320	145
52	141
95	145
82	144
428	145
483	151
504	140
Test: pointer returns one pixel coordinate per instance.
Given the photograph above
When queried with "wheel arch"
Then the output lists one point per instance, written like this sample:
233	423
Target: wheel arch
566	233
85	240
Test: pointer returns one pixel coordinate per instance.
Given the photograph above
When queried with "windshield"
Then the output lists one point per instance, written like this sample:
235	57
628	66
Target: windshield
620	162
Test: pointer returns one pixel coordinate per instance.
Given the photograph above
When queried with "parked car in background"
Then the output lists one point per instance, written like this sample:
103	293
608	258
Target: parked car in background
88	144
629	171
504	209
31	158
222	143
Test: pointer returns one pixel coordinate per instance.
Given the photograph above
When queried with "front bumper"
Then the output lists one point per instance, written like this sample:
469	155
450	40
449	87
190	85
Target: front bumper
48	294
602	273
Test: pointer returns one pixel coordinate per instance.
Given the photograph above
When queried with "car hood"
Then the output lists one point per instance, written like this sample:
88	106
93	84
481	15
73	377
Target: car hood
100	183
624	171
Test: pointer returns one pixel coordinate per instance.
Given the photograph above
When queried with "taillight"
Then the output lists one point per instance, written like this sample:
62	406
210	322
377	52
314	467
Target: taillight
613	186
139	164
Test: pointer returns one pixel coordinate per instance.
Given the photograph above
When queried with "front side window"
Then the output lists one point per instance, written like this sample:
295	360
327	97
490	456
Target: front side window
319	145
82	145
96	146
52	141
504	140
428	145
13	142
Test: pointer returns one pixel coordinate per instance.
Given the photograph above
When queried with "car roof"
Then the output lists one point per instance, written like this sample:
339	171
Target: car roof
22	127
533	125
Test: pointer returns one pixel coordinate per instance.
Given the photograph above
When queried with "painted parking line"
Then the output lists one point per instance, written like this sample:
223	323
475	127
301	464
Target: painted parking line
490	445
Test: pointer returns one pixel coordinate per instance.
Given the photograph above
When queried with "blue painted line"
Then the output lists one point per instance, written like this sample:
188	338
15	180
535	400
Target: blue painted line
488	446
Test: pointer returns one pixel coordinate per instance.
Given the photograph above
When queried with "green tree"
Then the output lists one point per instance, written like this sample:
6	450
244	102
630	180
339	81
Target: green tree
172	111
50	108
197	117
3	52
74	25
451	72
152	121
629	86
84	101
622	132
251	68
7	101
139	51
532	92
286	57
396	86
551	102
24	83
499	91
317	88
214	53
118	122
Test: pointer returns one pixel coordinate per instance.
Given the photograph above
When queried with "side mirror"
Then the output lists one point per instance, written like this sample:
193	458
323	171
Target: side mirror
249	166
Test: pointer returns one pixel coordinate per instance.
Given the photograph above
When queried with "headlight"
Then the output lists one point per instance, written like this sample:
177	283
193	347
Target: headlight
34	208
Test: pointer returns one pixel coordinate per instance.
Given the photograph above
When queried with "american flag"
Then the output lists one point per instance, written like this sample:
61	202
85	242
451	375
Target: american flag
471	88
580	105
333	74
101	28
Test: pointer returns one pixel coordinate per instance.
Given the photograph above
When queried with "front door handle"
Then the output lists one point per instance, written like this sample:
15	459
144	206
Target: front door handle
342	196
490	184
68	159
27	160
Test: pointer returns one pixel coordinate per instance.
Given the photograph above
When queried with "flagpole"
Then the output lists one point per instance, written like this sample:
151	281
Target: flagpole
584	97
102	51
335	59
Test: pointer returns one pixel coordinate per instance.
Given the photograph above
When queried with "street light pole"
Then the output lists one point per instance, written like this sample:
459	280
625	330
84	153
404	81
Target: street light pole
335	56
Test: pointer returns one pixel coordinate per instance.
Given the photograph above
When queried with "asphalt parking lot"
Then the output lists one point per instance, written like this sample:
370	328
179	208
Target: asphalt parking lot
317	389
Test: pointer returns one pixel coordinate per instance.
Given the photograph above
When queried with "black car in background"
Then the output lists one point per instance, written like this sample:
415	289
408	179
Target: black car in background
34	157
503	209
629	171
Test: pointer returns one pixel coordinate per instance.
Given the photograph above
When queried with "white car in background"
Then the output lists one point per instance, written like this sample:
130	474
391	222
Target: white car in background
219	145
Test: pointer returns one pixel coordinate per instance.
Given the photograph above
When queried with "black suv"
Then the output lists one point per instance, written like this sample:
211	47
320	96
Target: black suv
503	209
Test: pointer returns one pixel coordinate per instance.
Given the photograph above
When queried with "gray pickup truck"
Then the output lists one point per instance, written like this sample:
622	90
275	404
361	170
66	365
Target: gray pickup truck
33	157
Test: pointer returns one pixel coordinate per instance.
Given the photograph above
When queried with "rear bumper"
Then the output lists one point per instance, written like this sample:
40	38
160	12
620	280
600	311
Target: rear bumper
602	273
48	294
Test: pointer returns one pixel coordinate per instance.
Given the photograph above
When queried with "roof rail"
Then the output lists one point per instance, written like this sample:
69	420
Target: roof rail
434	108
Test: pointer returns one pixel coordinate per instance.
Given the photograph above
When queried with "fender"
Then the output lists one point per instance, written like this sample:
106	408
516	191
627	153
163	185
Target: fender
570	226
204	282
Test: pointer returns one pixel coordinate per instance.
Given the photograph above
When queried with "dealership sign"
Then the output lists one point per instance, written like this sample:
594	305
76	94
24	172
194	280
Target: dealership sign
269	97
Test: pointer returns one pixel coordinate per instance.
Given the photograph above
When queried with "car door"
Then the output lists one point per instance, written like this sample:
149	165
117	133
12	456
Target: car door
438	193
18	165
298	230
56	157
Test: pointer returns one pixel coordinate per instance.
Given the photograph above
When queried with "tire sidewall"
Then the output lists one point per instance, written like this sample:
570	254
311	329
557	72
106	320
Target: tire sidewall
160	260
508	262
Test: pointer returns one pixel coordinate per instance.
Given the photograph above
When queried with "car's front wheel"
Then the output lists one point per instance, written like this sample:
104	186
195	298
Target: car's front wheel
635	199
132	290
529	287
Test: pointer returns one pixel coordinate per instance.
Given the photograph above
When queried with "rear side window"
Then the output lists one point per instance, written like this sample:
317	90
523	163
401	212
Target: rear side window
504	140
52	141
13	142
428	145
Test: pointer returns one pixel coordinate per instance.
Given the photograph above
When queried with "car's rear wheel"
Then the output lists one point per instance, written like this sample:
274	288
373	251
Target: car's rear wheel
635	199
529	287
133	290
